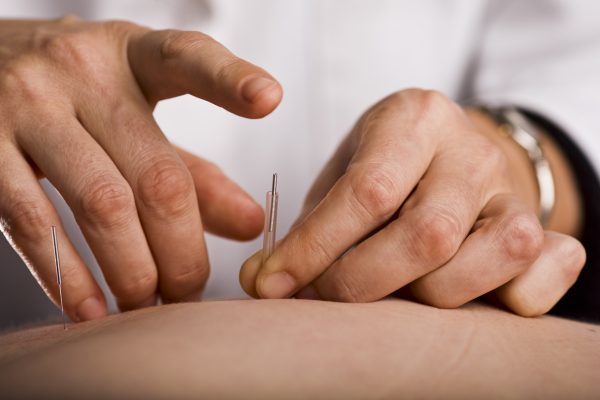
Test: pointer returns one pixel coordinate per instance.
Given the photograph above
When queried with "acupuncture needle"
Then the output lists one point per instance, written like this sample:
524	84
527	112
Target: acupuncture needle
270	220
58	275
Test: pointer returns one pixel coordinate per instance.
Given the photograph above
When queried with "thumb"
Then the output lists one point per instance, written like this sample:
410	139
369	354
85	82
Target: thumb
170	63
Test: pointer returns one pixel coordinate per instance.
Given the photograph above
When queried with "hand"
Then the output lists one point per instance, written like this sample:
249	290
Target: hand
77	102
419	197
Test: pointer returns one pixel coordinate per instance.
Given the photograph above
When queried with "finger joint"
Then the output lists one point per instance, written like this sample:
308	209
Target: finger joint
29	220
522	239
166	187
107	203
374	193
176	43
131	290
436	235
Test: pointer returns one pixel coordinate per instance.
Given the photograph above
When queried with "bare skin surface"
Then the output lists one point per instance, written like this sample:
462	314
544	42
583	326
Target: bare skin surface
304	349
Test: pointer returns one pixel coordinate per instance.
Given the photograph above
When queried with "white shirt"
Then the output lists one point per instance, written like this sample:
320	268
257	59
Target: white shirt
336	58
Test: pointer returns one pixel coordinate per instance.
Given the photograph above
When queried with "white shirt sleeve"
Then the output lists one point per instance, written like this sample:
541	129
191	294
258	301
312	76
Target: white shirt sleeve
544	56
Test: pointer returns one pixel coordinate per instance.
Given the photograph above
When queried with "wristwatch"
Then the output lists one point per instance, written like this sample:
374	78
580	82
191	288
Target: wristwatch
514	124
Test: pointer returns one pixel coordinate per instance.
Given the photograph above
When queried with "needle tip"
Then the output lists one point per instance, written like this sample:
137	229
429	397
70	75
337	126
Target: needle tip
274	184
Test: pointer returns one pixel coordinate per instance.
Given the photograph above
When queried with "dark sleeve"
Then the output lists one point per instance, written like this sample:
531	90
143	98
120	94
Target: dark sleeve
582	301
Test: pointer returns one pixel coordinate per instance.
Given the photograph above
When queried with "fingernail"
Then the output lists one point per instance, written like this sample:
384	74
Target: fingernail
308	293
252	88
277	285
90	308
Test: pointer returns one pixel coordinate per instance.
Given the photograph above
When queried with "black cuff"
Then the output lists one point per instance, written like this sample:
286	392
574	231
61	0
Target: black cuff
582	301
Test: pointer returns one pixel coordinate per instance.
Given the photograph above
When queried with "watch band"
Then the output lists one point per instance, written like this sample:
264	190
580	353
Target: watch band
515	124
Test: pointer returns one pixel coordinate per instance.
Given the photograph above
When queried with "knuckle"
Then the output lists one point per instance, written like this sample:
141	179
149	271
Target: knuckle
65	46
77	55
433	97
106	202
425	98
23	76
437	235
175	43
375	192
68	19
378	115
166	186
28	220
135	289
432	111
228	67
522	238
121	26
317	247
430	101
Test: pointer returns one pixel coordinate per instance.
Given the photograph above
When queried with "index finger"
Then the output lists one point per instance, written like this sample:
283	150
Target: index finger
380	176
170	63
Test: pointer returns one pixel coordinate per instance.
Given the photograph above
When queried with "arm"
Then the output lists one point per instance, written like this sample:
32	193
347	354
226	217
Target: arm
307	349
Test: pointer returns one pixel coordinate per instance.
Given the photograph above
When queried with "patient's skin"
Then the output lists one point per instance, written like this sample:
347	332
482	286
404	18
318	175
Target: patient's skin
304	349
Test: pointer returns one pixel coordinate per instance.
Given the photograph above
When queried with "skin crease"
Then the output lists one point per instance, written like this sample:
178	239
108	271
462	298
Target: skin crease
273	349
468	228
77	109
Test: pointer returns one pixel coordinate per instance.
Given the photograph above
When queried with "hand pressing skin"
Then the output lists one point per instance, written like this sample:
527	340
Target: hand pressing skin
424	196
77	102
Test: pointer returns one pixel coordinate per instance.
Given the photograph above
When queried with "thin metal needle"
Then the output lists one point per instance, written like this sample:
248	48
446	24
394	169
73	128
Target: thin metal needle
270	220
272	210
58	275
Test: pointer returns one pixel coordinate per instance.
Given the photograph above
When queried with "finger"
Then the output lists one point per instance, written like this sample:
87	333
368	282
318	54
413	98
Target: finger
226	209
326	179
102	203
170	63
27	216
381	175
248	272
431	225
546	281
163	190
506	241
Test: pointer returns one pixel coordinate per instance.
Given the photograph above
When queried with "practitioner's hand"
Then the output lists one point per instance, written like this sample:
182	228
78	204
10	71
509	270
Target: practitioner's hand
77	102
425	196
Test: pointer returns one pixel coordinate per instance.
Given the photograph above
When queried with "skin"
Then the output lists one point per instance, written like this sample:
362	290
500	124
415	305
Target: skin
77	108
429	199
273	349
